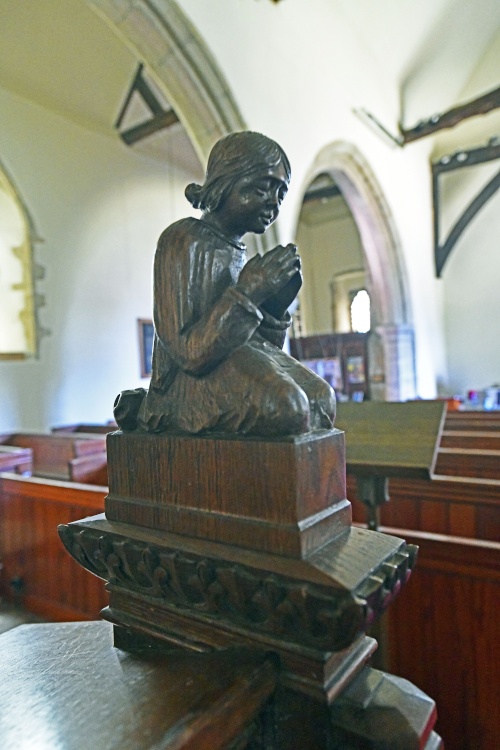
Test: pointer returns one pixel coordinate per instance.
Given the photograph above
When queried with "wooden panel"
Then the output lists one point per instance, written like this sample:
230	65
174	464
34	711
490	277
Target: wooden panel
434	516
458	507
91	469
36	568
443	635
462	520
488	524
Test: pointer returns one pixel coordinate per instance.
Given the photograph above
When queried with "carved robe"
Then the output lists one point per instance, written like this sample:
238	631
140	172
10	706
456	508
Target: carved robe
217	359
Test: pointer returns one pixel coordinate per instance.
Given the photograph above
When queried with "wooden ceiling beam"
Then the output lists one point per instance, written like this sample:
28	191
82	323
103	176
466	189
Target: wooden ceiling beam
480	106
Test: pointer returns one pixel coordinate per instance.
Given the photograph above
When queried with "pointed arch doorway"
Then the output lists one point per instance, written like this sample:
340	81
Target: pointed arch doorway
392	328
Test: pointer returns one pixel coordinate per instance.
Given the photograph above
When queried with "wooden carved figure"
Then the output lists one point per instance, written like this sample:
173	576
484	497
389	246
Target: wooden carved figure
220	320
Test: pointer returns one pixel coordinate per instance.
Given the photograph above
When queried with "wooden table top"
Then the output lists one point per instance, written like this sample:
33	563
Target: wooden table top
65	687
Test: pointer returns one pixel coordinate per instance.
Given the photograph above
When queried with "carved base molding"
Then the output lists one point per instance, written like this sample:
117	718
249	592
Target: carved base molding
204	595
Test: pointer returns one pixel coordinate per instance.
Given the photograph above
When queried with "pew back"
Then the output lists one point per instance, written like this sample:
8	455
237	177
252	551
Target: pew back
442	633
52	453
17	460
37	570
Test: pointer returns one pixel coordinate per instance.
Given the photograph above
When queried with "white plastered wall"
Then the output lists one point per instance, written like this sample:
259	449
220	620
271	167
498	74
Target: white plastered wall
471	275
99	208
273	58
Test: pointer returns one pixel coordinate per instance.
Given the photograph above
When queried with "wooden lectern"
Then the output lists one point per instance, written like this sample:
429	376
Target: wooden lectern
386	440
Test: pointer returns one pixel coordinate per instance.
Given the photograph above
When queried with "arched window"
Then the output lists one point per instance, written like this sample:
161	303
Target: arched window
18	331
360	311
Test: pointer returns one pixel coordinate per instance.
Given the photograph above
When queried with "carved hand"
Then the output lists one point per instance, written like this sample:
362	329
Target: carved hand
265	275
278	304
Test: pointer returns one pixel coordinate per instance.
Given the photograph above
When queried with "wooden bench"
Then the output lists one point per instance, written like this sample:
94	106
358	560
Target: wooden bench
468	421
449	645
456	506
475	439
17	460
92	469
52	453
37	570
481	463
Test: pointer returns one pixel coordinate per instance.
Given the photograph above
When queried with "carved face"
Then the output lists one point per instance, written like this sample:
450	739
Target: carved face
253	203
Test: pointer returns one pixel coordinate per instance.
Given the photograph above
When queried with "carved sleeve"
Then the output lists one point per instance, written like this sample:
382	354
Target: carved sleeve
196	332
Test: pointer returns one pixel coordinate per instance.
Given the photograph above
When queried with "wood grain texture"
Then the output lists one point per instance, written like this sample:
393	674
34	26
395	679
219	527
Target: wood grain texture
469	421
446	505
52	453
37	570
67	688
443	635
468	462
285	496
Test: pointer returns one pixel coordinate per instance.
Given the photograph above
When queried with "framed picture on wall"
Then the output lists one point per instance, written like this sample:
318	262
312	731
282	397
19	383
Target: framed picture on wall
146	338
355	367
327	368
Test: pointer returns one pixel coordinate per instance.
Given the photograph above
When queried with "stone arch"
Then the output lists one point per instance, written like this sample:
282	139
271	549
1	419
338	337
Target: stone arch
381	245
181	64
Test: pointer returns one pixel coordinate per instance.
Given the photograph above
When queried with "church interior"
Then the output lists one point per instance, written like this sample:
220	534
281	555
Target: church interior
389	114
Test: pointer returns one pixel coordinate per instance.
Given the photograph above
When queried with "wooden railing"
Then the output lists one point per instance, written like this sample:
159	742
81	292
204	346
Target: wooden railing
37	571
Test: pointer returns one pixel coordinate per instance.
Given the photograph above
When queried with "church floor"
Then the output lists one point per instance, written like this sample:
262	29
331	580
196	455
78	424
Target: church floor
11	616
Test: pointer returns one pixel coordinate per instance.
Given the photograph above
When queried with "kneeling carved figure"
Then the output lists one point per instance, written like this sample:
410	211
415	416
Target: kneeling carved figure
220	320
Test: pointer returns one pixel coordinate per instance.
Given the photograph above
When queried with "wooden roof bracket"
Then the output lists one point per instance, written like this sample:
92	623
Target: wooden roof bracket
459	160
162	118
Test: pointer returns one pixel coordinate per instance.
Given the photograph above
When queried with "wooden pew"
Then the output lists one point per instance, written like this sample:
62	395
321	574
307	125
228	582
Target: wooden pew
37	570
442	634
17	460
52	453
88	428
477	421
459	507
468	462
92	469
460	497
474	439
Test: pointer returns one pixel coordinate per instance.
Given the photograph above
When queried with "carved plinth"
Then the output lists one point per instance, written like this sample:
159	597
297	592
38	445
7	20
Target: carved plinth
218	544
205	595
286	496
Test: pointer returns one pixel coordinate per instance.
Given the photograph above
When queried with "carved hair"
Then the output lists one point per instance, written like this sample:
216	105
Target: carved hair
234	156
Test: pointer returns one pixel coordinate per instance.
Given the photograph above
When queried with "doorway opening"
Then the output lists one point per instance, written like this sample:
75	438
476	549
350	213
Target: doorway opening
350	252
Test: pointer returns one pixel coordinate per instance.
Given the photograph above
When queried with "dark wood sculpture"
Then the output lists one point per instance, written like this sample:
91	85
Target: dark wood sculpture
220	321
227	523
